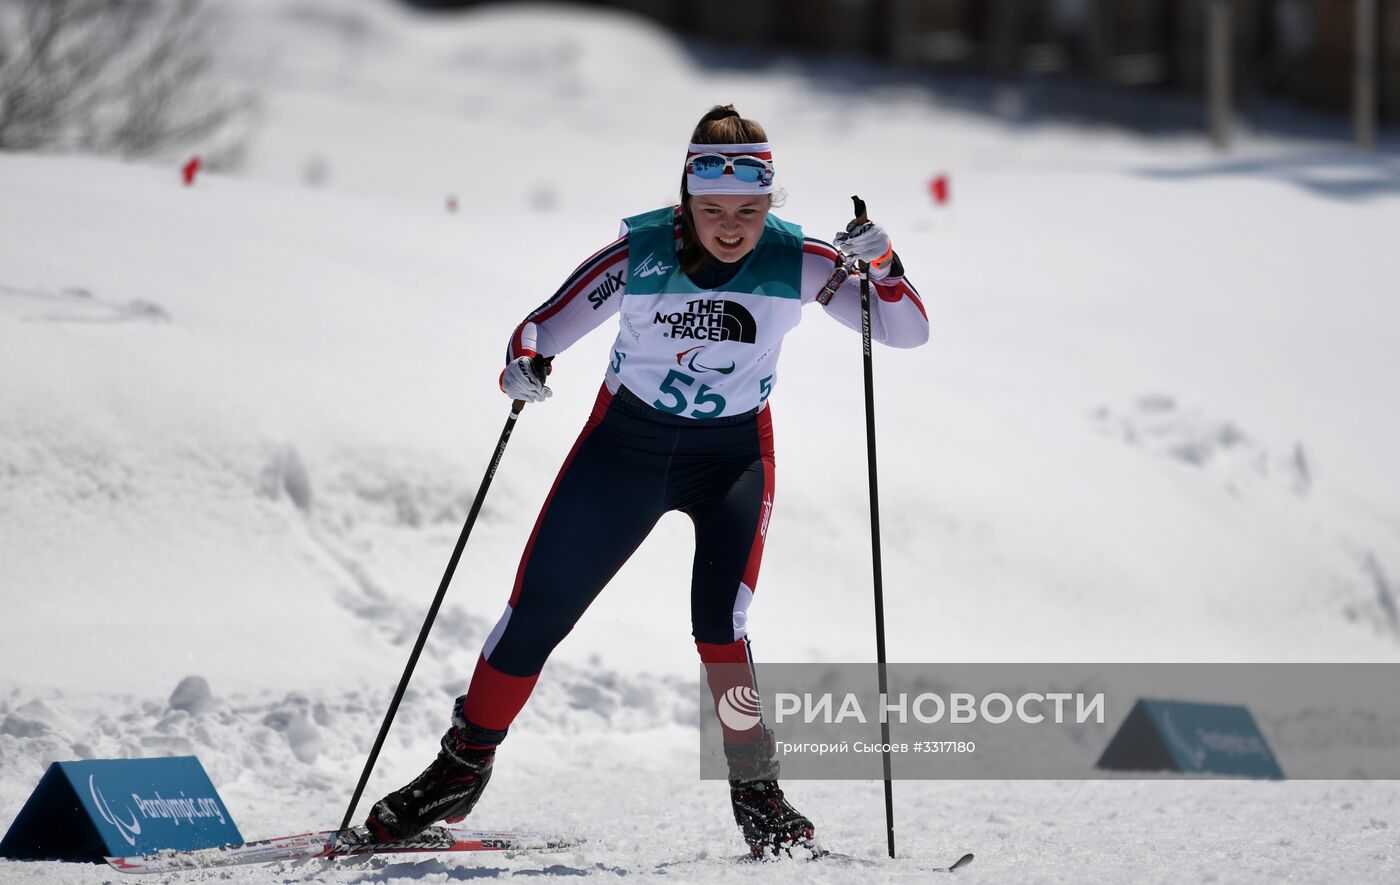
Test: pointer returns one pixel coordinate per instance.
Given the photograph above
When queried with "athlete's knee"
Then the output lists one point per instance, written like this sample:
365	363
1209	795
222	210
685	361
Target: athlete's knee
521	642
715	624
543	627
714	631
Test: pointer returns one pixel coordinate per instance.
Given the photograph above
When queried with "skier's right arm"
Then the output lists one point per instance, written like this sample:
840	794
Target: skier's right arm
590	295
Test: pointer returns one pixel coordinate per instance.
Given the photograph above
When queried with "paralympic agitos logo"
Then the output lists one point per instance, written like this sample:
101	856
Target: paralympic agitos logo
710	319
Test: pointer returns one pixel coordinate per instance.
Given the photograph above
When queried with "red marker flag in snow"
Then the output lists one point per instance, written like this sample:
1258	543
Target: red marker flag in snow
191	169
938	187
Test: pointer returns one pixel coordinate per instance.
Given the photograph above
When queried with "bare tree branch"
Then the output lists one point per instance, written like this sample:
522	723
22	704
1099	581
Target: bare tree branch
131	77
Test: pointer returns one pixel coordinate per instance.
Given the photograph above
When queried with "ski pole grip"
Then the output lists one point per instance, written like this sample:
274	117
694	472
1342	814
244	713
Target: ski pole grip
541	366
858	220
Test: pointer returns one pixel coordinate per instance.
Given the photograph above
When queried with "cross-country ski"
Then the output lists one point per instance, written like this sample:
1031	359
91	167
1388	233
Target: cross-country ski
329	845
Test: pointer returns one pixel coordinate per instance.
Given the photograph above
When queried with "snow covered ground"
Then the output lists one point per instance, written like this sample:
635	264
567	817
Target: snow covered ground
241	424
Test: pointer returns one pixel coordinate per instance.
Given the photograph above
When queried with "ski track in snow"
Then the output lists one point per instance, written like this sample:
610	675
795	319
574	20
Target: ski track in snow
242	423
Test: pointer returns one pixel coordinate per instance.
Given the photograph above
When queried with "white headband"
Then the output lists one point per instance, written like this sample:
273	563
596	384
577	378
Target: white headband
728	182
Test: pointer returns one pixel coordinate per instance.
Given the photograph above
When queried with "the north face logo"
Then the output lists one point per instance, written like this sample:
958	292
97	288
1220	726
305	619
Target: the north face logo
710	319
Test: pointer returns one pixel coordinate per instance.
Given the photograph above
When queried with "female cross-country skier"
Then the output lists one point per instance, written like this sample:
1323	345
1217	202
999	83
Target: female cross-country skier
705	292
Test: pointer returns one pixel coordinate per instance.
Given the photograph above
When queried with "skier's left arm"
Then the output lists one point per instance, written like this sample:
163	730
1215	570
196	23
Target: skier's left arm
897	315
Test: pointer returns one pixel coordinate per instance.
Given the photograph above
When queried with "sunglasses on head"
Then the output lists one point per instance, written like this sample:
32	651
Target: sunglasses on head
747	169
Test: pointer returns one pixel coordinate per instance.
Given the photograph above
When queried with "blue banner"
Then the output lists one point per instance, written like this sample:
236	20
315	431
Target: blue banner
116	807
1191	737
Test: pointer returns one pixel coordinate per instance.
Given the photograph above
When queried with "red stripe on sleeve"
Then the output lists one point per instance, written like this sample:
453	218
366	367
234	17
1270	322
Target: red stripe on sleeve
585	275
579	281
812	247
897	291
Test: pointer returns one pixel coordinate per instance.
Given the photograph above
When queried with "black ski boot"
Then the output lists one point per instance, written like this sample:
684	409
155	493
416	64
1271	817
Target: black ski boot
771	826
446	790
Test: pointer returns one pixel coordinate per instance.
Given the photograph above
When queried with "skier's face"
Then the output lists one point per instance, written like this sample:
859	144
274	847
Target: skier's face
729	225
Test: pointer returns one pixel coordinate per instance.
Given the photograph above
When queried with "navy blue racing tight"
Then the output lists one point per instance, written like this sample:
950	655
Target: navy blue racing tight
631	464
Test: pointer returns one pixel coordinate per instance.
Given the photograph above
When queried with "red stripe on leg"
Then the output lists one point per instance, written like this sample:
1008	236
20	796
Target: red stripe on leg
727	666
760	535
736	652
495	698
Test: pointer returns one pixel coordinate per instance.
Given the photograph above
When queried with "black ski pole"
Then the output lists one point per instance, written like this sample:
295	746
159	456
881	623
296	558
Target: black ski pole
875	521
515	408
